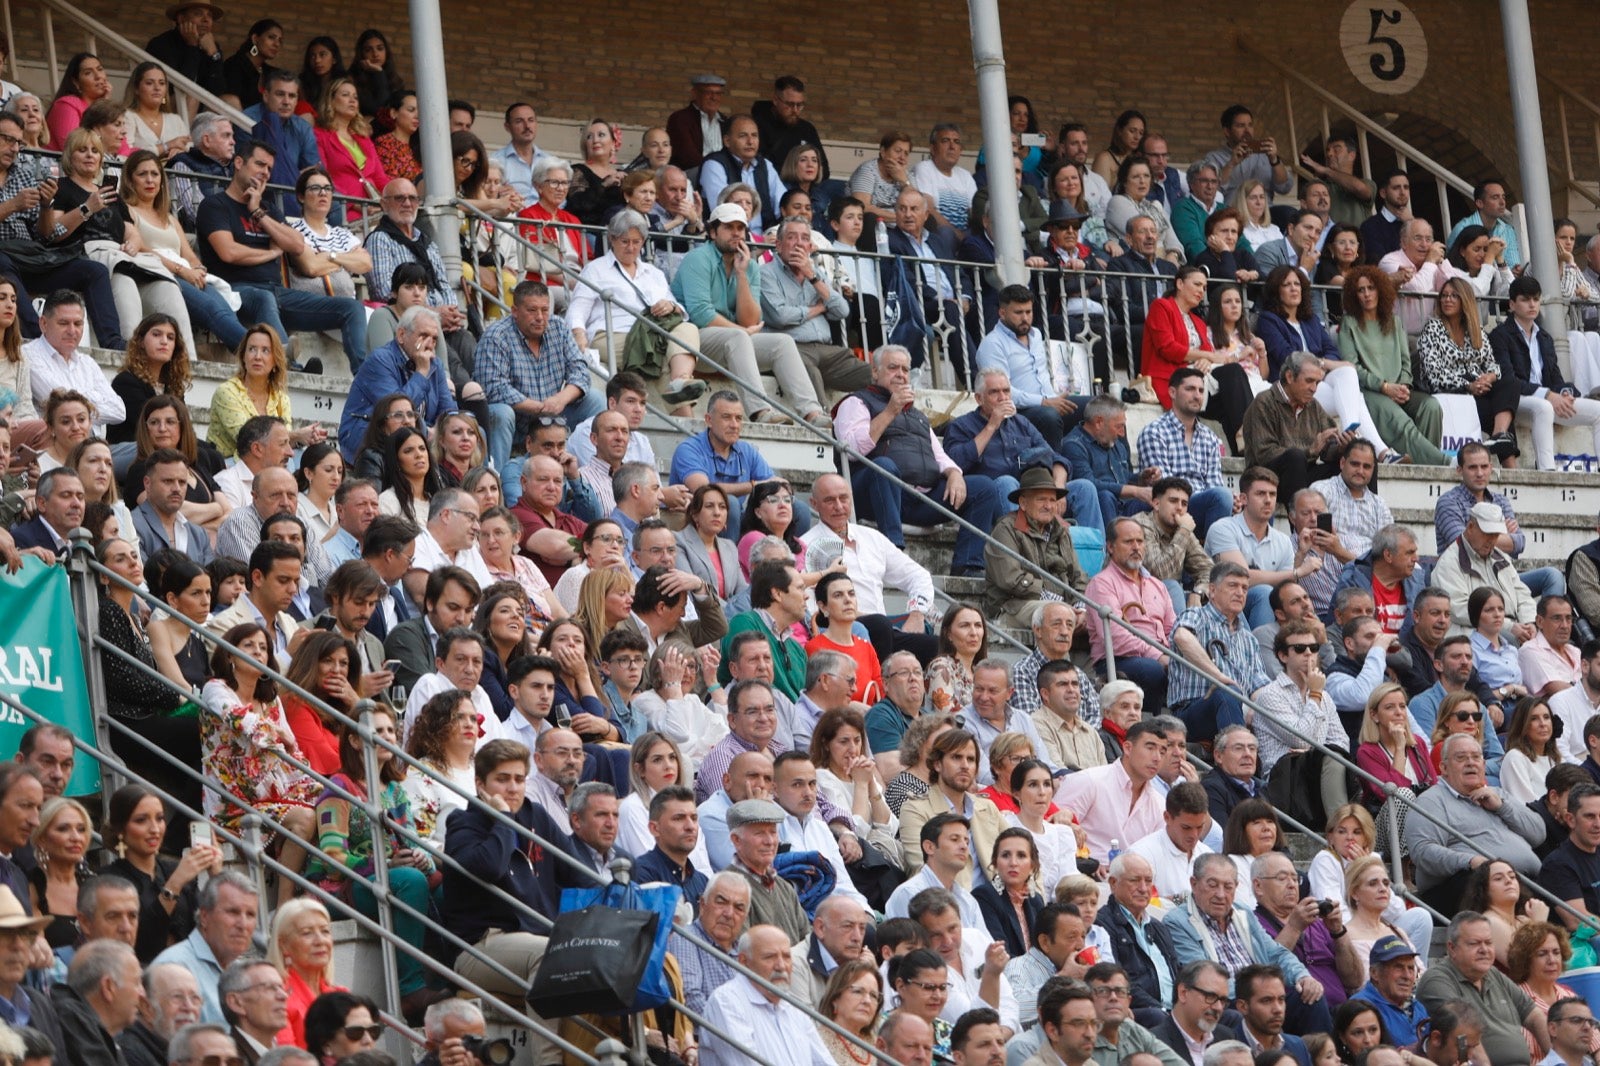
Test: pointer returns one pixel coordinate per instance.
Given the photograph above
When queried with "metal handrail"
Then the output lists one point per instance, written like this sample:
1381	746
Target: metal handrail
1565	92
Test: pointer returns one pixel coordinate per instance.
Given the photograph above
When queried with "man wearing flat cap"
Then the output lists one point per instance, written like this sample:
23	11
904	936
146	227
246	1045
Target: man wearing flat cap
696	130
753	829
190	48
1473	561
1035	532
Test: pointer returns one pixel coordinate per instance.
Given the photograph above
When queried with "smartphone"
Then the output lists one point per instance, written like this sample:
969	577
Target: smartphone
200	833
391	665
1352	427
1325	522
1032	140
53	170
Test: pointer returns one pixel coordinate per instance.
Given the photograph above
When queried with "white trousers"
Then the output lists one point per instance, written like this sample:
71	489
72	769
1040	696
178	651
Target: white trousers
1536	413
1340	396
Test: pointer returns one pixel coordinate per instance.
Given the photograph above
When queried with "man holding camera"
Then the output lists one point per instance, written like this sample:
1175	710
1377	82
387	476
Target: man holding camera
1312	929
456	1036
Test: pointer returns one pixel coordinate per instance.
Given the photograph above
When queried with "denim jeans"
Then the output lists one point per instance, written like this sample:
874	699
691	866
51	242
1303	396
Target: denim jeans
503	424
291	309
885	502
209	311
1210	713
1209	506
1081	497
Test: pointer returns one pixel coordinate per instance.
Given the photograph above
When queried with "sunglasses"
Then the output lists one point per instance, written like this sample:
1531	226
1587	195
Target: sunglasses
351	1033
1468	716
1304	649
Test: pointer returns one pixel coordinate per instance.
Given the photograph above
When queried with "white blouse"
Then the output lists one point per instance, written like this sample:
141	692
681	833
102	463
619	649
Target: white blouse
587	311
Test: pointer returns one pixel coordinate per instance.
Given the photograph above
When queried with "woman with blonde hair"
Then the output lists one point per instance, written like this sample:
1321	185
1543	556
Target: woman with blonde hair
1351	836
60	842
344	141
301	947
1254	204
604	599
1454	357
1389	751
1368	895
258	388
669	702
654	763
458	447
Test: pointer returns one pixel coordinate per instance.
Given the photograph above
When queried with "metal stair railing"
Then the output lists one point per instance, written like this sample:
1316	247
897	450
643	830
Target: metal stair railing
97	30
1570	179
620	869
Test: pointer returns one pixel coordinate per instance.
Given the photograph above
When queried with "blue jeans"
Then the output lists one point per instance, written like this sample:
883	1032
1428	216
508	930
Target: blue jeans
1208	506
503	425
411	886
1545	581
209	311
882	500
1147	673
1114	506
1052	424
1210	713
1081	497
291	309
1257	611
1180	598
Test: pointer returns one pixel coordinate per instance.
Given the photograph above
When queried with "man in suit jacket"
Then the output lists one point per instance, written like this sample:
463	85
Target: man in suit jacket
249	990
60	502
688	127
159	521
1527	355
1142	257
450	598
953	775
1232	778
1140	944
934	284
1195	1021
1297	247
388	547
592	807
353	594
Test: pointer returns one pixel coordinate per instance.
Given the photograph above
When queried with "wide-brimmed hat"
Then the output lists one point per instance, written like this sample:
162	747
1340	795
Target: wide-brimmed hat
13	917
1035	479
1062	212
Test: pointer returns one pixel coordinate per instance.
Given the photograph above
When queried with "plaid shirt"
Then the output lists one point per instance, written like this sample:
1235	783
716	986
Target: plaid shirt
1355	521
703	971
1162	444
1232	649
1173	556
1319	721
510	373
388	253
1025	690
19	226
1450	514
1233	943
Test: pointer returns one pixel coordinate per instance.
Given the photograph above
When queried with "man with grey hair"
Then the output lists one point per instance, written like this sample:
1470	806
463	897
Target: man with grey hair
1228	1053
592	809
882	423
445	1027
830	680
210	153
409	364
225	924
948	185
1190	213
1418	266
1465	803
451	536
287	1055
776	1030
838	935
171	1002
255	1002
1219	644
989	714
798	302
724	906
1287	431
1097	448
273	491
636	488
397	240
906	1038
99	1000
753	830
1467	972
194	1044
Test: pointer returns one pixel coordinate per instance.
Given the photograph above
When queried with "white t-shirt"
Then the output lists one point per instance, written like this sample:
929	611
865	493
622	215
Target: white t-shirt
952	193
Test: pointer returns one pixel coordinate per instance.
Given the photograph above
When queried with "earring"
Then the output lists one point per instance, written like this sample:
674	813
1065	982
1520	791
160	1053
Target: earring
254	51
122	849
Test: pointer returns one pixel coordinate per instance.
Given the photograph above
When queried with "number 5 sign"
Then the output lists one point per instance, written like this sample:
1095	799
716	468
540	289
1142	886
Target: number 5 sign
1384	46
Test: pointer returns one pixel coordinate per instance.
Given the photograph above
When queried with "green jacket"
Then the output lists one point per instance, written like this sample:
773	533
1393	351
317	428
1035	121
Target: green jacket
788	656
1379	357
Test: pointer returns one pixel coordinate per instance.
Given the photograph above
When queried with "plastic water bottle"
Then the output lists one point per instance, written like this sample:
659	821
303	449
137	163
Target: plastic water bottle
1114	850
891	293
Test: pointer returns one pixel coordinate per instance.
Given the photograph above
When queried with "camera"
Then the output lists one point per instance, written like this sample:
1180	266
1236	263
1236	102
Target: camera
1325	907
489	1052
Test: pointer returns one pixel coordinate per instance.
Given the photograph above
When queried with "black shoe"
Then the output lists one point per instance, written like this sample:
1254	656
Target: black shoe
966	571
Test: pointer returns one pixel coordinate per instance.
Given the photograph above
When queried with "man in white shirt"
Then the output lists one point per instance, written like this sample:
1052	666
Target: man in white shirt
520	153
949	186
776	1030
966	950
1172	849
54	361
1571	1022
946	855
458	666
794	788
451	537
262	441
1576	705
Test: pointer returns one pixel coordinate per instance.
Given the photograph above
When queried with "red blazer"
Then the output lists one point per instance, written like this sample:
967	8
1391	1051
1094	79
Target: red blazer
341	165
1166	344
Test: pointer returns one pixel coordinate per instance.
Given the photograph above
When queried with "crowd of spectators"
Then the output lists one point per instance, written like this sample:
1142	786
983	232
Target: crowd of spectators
952	856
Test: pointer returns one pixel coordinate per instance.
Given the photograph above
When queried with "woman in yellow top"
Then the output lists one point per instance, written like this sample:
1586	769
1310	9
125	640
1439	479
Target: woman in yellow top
257	389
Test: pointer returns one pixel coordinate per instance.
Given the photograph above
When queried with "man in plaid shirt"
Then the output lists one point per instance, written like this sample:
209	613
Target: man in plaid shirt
529	365
1179	446
1218	639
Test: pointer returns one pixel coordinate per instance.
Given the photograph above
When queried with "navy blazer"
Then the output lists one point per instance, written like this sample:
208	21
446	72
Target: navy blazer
1280	339
1126	952
1510	346
35	534
900	245
1001	917
1140	294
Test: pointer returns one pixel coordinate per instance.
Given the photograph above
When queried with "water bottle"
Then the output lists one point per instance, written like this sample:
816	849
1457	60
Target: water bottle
891	293
1114	851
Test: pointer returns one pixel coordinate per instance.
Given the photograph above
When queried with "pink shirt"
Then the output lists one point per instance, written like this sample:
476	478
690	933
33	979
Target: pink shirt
1102	798
853	422
1142	601
1541	663
1429	277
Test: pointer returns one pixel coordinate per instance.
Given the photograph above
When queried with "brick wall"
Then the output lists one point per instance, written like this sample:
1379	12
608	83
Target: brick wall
909	65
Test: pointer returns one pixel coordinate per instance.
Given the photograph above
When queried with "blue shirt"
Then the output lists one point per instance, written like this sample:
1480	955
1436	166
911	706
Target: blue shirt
519	175
509	371
196	956
1232	648
1158	961
1198	461
388	370
654	865
1110	468
1275	551
1401	1025
1496	666
1027	364
1502	229
341	547
1013	448
697	456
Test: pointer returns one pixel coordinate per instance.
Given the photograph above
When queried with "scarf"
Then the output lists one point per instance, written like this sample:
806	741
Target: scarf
418	246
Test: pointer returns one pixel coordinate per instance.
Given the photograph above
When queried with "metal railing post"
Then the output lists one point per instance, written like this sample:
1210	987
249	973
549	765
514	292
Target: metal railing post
380	851
1111	658
85	590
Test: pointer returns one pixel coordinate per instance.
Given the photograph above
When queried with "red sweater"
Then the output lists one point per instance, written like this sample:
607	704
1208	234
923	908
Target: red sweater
1166	344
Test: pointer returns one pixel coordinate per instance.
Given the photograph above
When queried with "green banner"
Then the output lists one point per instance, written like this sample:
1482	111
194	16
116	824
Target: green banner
40	664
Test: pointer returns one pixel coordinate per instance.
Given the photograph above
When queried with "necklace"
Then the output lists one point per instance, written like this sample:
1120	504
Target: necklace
863	1057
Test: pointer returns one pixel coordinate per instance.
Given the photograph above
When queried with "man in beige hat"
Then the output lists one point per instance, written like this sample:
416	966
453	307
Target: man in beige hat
190	48
1035	532
1472	561
18	935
